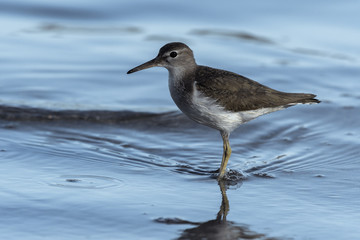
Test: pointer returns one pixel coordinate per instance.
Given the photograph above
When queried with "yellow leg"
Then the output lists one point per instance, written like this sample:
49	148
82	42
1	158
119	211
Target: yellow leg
226	154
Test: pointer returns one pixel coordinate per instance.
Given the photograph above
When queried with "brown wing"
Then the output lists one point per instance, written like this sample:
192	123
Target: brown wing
237	93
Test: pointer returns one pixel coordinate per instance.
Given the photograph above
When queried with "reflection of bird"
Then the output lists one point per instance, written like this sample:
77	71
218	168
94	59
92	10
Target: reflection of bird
216	229
216	98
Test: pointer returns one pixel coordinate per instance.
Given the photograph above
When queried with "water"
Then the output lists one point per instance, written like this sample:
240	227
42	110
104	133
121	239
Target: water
88	152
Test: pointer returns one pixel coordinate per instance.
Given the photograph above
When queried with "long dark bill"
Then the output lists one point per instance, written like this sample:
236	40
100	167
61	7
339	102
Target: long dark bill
149	64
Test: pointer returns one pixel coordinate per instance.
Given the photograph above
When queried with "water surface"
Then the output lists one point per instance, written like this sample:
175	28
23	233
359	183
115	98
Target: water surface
88	152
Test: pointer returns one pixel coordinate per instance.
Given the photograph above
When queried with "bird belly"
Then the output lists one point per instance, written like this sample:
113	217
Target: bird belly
207	111
215	117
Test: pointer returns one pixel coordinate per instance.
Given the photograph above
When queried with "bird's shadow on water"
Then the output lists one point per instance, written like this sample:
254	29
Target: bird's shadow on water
216	229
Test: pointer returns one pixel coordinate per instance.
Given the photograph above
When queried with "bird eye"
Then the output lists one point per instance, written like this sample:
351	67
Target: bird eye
173	54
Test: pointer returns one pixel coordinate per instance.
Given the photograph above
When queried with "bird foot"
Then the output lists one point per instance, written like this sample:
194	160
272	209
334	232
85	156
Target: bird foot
231	177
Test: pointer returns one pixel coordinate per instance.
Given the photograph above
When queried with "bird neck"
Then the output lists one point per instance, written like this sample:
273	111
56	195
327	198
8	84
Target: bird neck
180	74
180	71
180	85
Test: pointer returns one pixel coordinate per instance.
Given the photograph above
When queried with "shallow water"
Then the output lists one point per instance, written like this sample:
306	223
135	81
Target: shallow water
88	152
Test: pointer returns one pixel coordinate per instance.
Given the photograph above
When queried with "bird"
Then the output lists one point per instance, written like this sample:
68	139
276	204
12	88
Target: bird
217	98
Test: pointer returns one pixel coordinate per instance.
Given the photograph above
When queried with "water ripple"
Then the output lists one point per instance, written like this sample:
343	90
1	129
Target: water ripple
85	182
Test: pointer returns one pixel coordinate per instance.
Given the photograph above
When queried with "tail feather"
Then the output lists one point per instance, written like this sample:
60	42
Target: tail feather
303	98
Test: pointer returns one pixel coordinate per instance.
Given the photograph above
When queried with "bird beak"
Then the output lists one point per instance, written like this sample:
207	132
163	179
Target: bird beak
152	63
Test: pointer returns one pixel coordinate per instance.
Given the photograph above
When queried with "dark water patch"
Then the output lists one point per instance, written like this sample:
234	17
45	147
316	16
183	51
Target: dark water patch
42	10
73	29
36	114
233	34
85	118
325	54
8	125
166	38
350	95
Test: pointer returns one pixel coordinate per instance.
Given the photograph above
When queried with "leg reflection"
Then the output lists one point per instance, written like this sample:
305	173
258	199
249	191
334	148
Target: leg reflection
224	208
215	229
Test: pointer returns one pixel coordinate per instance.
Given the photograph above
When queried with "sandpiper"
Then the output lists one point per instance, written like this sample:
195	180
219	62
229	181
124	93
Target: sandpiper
217	98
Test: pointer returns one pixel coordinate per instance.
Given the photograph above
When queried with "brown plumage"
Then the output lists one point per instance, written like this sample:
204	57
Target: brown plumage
238	93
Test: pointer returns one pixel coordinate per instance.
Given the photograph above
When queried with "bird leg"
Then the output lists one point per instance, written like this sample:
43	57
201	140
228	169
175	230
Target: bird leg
226	154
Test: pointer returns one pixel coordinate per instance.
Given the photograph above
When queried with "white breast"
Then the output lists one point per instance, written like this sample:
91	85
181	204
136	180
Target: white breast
207	111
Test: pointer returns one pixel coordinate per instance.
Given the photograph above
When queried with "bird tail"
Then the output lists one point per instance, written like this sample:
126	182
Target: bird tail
301	98
309	99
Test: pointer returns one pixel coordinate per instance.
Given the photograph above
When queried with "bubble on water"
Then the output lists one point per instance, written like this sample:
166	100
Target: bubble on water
85	181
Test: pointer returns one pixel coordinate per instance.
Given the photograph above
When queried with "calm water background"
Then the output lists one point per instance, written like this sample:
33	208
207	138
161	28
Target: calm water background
102	172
